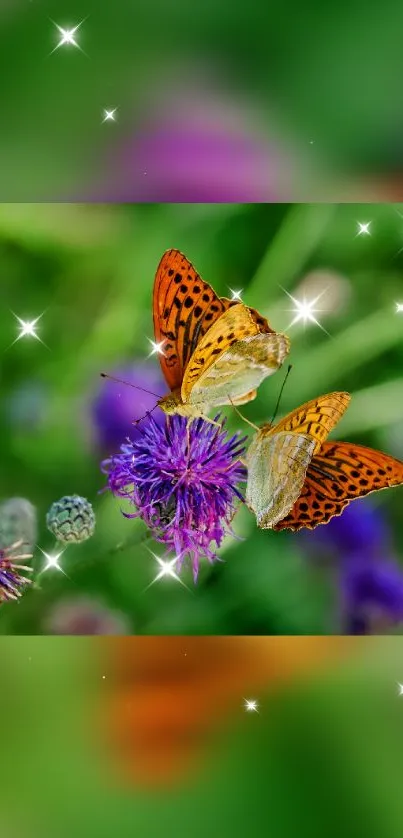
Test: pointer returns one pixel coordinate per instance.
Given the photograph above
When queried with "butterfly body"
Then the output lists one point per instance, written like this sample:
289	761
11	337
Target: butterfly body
214	351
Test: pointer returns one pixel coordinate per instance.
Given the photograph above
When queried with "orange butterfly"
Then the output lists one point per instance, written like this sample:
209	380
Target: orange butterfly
338	472
214	351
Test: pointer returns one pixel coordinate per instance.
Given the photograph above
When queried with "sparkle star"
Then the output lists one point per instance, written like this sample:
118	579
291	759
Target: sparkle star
109	116
236	295
52	560
399	308
27	328
400	689
251	705
67	36
363	229
305	311
167	570
156	347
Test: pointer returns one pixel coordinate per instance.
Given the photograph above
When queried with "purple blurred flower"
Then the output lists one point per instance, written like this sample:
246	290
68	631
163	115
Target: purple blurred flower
183	480
84	616
199	147
116	406
361	527
372	593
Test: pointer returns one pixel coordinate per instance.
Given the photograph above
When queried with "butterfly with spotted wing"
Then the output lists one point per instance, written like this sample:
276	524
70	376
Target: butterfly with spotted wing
215	351
297	479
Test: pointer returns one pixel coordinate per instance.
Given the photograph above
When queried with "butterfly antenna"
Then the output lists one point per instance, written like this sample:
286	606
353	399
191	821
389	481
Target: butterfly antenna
128	384
280	394
148	413
248	422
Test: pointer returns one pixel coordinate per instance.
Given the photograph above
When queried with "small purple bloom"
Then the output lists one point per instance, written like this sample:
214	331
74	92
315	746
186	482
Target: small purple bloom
372	592
361	527
84	616
183	481
12	578
117	406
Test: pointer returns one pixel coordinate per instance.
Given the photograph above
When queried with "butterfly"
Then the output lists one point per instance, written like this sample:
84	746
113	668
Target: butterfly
214	351
296	478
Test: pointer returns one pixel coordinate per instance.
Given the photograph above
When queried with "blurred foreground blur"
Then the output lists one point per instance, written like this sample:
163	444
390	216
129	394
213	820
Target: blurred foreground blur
322	756
212	103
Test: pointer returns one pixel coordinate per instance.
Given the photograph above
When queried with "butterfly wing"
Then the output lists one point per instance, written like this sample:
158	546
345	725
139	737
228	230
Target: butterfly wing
232	359
316	418
184	308
277	465
337	475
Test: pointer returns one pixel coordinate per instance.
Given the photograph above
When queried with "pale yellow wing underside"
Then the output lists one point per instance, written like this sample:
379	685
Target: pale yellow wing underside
277	466
232	360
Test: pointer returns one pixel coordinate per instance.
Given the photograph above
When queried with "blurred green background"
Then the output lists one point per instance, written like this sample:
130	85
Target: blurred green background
319	90
90	270
297	767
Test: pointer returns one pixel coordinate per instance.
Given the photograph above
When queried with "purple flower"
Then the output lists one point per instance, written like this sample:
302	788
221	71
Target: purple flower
117	406
12	580
183	481
361	527
84	616
372	594
196	147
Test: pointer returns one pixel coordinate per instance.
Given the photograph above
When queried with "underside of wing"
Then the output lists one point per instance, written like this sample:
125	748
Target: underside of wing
233	359
277	467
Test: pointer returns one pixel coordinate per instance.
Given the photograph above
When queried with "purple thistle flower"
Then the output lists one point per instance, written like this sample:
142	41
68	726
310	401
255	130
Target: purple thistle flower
12	582
372	592
183	480
116	406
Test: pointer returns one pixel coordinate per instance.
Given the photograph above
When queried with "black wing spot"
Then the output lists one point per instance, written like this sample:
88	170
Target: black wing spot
183	288
198	311
166	313
315	504
208	317
215	307
177	302
231	335
352	487
170	272
220	338
303	507
216	352
328	506
355	474
196	289
188	302
205	298
381	472
363	482
178	278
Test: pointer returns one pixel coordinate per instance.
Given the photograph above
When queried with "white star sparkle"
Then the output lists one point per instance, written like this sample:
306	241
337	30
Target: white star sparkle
251	705
363	229
236	295
52	560
400	689
156	347
109	116
27	328
67	36
167	570
305	310
399	308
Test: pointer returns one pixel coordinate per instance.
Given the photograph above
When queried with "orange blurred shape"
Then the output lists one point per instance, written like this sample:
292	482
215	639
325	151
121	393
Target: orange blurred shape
168	695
